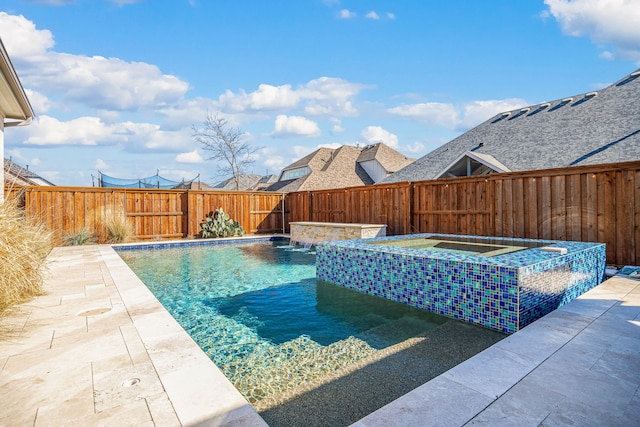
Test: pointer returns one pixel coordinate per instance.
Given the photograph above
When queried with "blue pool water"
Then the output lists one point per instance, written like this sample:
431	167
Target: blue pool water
258	311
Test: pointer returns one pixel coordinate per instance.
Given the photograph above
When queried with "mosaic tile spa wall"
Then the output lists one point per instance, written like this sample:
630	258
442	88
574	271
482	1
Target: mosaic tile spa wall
504	292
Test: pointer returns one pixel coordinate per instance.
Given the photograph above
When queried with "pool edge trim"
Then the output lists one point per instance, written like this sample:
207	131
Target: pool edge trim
199	392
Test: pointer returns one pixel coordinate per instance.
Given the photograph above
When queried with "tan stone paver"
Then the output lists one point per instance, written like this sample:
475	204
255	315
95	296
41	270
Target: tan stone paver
579	365
83	355
99	349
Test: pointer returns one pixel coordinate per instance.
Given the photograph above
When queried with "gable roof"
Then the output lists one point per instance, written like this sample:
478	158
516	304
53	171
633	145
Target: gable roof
17	175
338	168
391	160
246	182
330	168
315	160
486	162
589	128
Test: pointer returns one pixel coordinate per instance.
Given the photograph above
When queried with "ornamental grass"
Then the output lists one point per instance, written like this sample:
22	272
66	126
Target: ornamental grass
119	229
24	246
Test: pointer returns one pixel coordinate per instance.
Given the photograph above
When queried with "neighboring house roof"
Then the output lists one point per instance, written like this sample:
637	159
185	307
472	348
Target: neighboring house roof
391	160
247	182
590	128
340	167
14	174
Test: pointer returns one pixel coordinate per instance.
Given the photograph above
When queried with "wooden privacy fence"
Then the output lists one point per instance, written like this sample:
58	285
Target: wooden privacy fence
154	214
599	203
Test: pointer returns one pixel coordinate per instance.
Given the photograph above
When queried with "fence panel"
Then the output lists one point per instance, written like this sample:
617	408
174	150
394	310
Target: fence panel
298	207
451	206
598	203
257	212
378	204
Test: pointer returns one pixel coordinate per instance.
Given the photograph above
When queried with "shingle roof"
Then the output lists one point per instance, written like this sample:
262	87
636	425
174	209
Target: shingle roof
338	167
247	182
590	128
17	175
315	160
390	159
342	171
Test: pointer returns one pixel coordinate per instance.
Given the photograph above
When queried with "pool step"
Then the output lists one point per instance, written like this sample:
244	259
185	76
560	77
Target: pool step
395	332
346	395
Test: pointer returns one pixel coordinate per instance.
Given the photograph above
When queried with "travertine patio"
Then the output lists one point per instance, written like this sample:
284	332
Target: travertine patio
98	349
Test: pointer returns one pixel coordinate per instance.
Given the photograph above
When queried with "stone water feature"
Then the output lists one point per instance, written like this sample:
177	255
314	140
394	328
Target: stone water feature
311	233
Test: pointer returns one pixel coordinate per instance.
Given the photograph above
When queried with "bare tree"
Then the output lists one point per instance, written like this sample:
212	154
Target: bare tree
226	145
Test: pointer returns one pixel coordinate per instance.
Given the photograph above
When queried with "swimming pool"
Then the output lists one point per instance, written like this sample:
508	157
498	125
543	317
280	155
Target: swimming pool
259	313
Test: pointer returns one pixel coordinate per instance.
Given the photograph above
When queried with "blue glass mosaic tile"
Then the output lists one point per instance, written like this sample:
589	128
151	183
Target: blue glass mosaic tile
503	292
203	242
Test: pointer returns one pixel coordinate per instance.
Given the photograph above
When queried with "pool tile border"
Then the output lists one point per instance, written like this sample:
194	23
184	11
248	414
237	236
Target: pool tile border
504	292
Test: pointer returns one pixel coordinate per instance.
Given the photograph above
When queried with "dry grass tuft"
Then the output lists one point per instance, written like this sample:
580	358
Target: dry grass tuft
24	246
82	237
120	231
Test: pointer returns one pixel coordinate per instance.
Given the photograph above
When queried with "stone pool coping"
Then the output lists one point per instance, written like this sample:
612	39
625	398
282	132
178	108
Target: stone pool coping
58	367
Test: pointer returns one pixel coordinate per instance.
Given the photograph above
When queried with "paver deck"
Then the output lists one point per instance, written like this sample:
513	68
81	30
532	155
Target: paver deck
99	349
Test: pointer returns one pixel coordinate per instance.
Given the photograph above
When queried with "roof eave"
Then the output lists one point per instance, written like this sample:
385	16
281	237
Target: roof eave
20	113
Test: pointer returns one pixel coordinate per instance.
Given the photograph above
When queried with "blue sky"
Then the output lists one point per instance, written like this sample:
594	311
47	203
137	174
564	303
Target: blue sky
117	85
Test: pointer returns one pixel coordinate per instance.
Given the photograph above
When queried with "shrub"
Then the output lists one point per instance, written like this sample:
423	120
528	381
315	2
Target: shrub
219	224
82	237
24	246
120	231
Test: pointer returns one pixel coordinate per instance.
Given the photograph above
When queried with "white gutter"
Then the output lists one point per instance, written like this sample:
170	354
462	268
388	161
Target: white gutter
19	123
17	91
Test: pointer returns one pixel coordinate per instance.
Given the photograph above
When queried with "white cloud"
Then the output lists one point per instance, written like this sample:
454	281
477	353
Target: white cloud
91	131
21	38
290	126
80	131
461	119
322	96
267	97
104	83
332	145
188	112
330	96
190	157
346	14
391	15
615	22
38	101
146	136
477	112
372	15
337	126
415	148
375	134
429	113
301	150
272	159
108	116
101	165
15	154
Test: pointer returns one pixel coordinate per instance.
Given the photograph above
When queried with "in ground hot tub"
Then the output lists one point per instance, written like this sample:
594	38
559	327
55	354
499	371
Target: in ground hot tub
499	283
